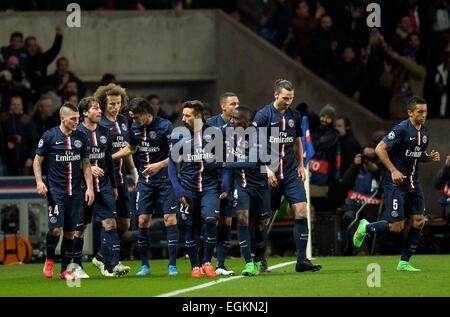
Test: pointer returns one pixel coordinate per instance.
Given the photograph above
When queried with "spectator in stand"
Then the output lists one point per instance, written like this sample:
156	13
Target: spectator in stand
373	95
20	138
70	89
404	75
438	92
400	38
10	88
71	97
442	183
347	141
44	116
324	47
303	27
62	76
282	19
108	78
325	164
16	70
155	102
36	62
266	30
15	47
349	74
360	181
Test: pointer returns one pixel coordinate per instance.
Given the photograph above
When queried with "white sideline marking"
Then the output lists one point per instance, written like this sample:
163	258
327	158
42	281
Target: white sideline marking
221	280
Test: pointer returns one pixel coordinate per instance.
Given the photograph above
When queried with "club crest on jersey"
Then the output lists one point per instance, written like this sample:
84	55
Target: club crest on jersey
291	123
53	219
152	135
41	143
424	139
391	135
207	137
394	213
124	127
103	139
77	144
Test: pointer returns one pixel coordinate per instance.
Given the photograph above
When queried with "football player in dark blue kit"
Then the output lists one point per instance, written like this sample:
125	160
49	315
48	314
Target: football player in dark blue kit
105	189
197	187
150	136
228	102
287	177
250	184
112	98
66	151
401	151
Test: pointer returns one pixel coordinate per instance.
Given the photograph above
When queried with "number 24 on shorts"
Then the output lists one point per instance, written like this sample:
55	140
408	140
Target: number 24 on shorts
55	211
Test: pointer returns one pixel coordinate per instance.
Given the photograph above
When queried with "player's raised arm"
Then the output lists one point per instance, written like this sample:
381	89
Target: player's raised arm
37	168
382	151
87	173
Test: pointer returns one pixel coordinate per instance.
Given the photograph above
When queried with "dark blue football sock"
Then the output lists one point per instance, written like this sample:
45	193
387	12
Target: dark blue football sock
52	242
201	245
66	253
244	242
78	250
113	244
260	243
142	245
411	242
104	254
191	245
172	243
223	244
301	236
210	239
379	226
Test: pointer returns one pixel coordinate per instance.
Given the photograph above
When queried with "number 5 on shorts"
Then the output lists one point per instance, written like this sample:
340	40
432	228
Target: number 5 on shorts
395	204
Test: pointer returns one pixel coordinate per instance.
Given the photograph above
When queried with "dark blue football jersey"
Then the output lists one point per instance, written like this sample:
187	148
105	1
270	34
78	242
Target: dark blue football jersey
243	156
120	137
153	145
64	155
289	124
195	154
217	121
100	143
406	145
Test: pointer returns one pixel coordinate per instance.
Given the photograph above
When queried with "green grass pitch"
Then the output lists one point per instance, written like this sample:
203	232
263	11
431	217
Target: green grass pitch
340	276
